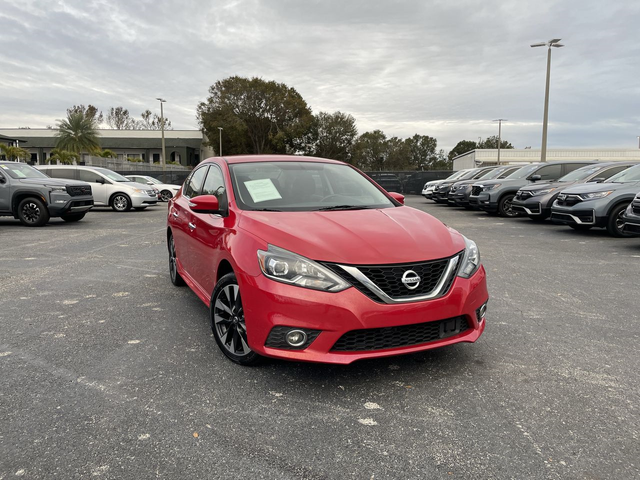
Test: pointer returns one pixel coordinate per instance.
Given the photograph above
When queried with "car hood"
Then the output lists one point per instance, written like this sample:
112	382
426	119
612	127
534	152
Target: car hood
598	187
52	182
365	237
543	186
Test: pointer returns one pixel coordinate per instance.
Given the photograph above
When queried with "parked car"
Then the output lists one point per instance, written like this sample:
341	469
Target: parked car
306	259
599	205
109	188
32	197
427	191
631	217
389	181
441	191
496	196
460	191
535	200
166	191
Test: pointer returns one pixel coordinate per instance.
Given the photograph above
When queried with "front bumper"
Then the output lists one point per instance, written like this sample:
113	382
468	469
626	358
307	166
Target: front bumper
62	204
531	207
486	203
268	304
632	219
577	216
140	200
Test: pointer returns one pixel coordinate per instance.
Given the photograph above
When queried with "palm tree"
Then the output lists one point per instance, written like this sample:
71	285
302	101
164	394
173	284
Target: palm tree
107	154
78	133
13	153
62	156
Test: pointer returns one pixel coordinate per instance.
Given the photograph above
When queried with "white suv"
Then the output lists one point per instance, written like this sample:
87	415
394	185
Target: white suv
108	187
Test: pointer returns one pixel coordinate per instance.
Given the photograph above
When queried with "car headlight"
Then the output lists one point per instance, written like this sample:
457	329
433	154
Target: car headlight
470	260
57	188
592	196
535	193
287	267
491	187
139	190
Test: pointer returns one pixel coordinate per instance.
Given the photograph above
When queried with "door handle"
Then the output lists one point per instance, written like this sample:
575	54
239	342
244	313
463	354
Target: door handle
192	226
175	215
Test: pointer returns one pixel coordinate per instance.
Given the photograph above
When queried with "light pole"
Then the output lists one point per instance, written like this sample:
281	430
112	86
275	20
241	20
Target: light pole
220	152
164	159
639	141
500	120
551	43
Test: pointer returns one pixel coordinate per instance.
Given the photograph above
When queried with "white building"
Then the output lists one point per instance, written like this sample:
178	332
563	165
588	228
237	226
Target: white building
512	156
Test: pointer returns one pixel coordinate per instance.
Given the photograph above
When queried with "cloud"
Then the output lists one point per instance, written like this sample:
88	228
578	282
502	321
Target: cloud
440	68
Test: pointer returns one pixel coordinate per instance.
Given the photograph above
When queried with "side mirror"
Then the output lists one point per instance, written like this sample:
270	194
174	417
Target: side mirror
205	204
597	180
100	180
535	178
3	180
149	183
398	197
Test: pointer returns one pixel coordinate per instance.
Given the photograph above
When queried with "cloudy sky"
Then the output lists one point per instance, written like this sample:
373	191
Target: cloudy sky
444	68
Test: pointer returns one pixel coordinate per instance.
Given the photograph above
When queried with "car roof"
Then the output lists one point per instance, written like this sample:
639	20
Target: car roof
272	158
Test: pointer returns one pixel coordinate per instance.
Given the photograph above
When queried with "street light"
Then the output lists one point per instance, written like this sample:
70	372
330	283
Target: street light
500	120
639	141
551	43
164	158
220	152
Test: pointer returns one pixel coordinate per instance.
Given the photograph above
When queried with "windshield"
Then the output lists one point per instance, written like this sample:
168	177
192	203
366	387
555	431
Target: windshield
630	175
22	170
524	171
457	175
153	180
303	186
580	174
111	175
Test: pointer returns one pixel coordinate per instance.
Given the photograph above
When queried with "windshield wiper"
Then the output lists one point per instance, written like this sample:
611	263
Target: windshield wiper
265	210
344	207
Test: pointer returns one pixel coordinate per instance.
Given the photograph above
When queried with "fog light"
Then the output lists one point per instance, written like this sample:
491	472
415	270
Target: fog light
481	312
296	338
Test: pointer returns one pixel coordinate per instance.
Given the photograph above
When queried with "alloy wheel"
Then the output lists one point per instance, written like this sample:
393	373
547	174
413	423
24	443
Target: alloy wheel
31	212
228	318
173	269
165	195
120	203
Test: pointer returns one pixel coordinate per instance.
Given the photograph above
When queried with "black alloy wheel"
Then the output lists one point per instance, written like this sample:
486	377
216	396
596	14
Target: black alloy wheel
176	279
32	212
505	207
166	195
615	222
228	322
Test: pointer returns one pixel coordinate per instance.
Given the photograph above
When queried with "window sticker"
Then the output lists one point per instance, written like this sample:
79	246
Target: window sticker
5	167
262	190
19	174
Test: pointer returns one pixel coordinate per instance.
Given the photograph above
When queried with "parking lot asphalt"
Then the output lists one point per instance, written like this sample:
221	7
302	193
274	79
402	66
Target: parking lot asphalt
108	371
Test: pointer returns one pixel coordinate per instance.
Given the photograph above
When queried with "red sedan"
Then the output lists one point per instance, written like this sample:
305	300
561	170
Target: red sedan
308	259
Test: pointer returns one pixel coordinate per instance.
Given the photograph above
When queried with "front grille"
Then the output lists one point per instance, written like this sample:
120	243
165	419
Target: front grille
400	336
523	194
475	191
631	228
568	200
77	190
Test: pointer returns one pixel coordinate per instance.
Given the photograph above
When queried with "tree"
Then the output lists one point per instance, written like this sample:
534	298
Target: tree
106	154
89	111
332	136
62	156
14	153
370	150
258	116
463	146
77	133
151	121
421	151
397	154
492	142
119	119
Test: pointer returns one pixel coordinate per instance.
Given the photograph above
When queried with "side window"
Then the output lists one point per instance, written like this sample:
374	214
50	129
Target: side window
194	183
68	173
89	176
3	179
214	185
550	172
570	167
610	172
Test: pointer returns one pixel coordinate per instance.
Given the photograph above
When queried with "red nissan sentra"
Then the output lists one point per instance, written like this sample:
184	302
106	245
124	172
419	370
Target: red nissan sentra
308	259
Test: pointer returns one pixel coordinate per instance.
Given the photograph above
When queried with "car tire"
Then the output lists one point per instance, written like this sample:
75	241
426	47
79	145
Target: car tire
32	212
166	195
538	218
120	202
175	277
505	206
228	323
580	228
73	217
615	222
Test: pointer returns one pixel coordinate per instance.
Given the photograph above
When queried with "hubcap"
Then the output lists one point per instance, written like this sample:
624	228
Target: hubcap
120	203
228	318
31	212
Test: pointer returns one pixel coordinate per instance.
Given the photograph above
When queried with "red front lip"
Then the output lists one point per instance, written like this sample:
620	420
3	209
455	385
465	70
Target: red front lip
268	303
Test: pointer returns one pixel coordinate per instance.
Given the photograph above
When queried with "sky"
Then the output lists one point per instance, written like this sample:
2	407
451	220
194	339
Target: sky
440	68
